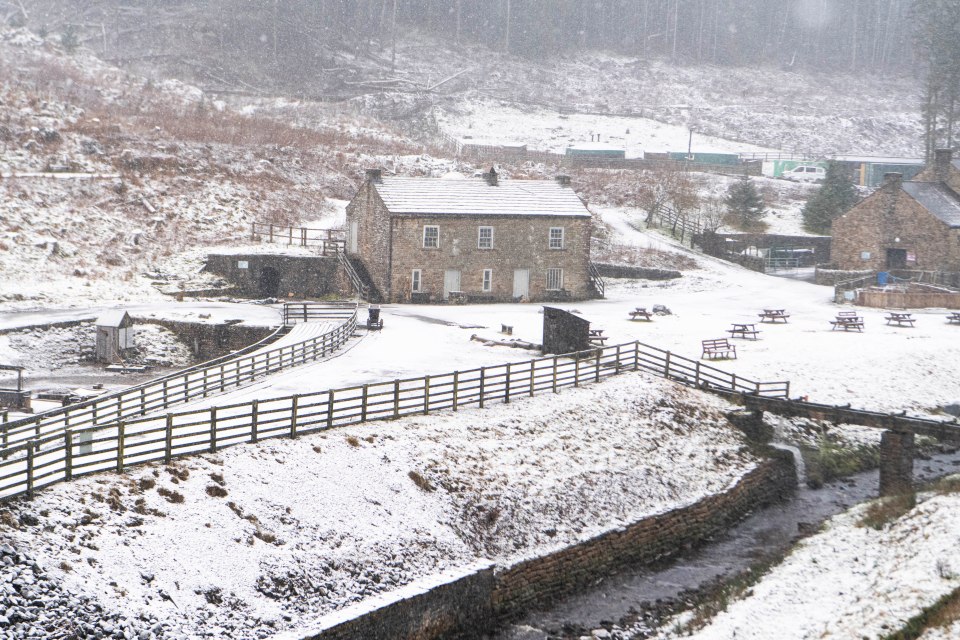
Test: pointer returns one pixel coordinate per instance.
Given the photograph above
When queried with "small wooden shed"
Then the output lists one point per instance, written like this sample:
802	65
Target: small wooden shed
564	332
114	335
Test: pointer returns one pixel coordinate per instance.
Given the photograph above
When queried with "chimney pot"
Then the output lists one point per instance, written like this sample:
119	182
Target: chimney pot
563	180
374	175
941	163
894	179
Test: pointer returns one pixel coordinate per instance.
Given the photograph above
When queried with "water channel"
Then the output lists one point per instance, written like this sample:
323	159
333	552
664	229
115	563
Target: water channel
770	531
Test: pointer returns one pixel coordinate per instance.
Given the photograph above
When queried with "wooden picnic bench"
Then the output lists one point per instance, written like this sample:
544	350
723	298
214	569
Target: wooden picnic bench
900	318
718	348
744	330
596	336
774	315
848	321
954	317
641	313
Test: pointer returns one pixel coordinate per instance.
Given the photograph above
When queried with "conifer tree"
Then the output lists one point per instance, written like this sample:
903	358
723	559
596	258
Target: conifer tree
744	204
835	196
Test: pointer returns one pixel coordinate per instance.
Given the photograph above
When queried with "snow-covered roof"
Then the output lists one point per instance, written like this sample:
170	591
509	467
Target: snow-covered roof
113	318
936	198
477	197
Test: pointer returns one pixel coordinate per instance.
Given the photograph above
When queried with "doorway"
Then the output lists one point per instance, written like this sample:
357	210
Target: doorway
451	282
269	284
521	283
896	258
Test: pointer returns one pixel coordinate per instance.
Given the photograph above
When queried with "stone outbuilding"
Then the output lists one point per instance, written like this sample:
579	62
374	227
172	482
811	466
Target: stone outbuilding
471	239
909	225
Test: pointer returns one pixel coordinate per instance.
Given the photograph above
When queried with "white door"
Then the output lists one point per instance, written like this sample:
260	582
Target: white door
521	283
354	227
451	282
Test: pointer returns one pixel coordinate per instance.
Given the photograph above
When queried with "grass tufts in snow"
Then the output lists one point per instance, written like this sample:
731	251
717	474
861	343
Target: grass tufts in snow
941	613
171	496
830	460
216	491
421	482
353	441
886	510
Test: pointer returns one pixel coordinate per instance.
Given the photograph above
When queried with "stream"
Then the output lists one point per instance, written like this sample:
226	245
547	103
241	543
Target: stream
770	531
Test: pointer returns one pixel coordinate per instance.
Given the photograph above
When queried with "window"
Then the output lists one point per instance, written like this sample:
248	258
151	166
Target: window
485	238
431	237
415	281
488	279
554	279
556	237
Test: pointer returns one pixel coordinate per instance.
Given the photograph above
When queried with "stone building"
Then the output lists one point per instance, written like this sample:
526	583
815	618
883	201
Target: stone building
904	225
472	239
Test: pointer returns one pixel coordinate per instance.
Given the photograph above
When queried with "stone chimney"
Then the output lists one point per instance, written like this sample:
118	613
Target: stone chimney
563	180
941	163
491	177
893	181
374	175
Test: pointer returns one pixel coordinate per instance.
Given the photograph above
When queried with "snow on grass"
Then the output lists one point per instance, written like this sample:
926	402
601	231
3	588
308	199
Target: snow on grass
287	530
850	581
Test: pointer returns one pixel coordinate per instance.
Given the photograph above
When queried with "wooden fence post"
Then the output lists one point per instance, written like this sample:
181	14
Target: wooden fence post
168	440
533	370
294	407
636	355
329	408
223	377
426	395
213	429
576	369
165	392
204	382
618	360
506	385
696	375
554	374
733	382
483	380
786	391
30	469
456	390
68	454
254	420
596	377
121	429
666	369
396	399
363	404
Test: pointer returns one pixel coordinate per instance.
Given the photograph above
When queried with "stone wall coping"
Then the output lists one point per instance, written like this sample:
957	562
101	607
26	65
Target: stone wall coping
418	587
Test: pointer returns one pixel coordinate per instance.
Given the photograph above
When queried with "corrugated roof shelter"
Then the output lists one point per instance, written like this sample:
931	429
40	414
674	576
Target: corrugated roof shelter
114	335
486	238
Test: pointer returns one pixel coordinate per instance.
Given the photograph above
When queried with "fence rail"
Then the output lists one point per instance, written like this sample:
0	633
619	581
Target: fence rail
329	241
665	216
49	458
209	378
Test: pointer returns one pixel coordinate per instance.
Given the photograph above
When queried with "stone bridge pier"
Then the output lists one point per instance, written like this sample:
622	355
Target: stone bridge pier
896	463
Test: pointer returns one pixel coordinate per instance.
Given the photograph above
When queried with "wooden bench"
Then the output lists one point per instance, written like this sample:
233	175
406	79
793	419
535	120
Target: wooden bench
900	318
641	313
596	336
507	329
954	317
848	321
745	331
773	315
718	348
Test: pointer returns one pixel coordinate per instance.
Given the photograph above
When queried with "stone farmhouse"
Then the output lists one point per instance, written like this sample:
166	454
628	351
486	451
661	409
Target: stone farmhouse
904	225
471	239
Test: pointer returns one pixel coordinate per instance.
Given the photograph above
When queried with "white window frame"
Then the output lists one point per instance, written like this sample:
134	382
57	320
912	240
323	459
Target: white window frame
487	285
555	277
480	238
559	244
435	227
416	281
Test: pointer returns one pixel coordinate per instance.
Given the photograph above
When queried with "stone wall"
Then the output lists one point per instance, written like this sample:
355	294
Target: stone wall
518	243
896	463
369	220
640	273
475	602
303	276
207	340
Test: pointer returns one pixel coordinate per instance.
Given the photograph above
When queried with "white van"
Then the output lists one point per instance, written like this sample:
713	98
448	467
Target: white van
806	173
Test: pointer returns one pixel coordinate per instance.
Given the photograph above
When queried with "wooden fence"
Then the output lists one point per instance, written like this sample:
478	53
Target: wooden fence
688	227
209	378
329	241
73	451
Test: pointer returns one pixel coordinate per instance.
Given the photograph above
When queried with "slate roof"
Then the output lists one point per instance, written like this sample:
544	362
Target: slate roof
422	196
936	198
